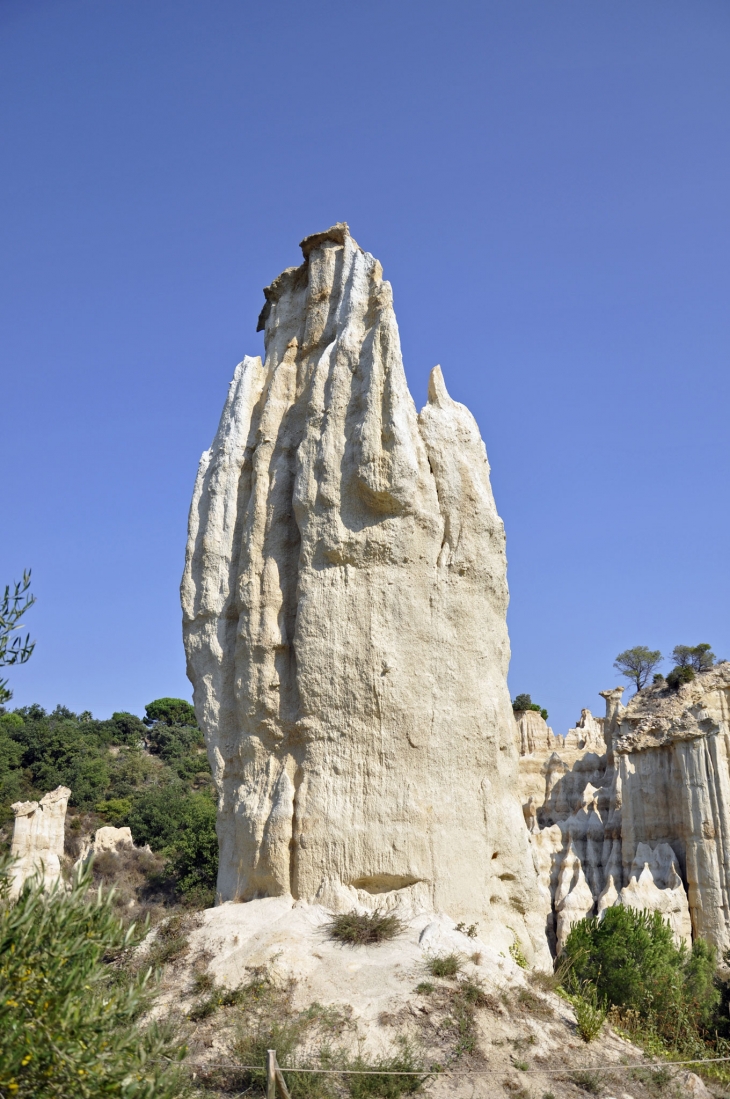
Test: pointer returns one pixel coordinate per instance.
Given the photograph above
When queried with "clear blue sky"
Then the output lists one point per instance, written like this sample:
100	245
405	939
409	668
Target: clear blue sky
547	185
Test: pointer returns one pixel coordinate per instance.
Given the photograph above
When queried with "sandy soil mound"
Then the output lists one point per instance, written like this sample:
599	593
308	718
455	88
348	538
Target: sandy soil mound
244	976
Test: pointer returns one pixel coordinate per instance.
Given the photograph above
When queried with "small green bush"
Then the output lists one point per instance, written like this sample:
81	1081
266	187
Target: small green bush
472	992
364	928
517	953
471	931
69	1025
678	676
444	965
590	1015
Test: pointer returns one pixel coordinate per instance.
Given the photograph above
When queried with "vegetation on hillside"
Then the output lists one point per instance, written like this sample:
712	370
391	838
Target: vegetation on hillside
627	966
150	774
69	1026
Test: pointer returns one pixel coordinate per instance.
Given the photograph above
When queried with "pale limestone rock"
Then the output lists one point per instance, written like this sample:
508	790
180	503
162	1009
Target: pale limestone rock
609	895
693	1085
659	796
587	734
573	897
672	753
656	886
111	839
533	735
530	814
107	839
344	604
38	837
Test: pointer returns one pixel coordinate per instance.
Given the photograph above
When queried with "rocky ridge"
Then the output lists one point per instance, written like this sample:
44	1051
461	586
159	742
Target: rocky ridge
643	823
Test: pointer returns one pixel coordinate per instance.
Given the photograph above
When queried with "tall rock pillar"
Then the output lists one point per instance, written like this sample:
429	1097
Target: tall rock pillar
344	603
38	837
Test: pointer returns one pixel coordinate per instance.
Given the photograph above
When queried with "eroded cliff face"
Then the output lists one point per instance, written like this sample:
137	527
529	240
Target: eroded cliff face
344	604
38	837
673	761
647	822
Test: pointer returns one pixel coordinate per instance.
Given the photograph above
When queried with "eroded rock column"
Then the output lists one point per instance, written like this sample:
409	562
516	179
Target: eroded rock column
345	622
38	837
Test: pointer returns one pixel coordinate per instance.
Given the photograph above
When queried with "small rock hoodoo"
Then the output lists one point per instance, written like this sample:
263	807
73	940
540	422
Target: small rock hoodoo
345	604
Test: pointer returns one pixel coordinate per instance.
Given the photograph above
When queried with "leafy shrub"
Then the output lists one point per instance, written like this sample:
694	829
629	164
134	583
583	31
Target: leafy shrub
444	965
680	675
194	859
629	961
126	729
517	953
115	810
66	1028
361	929
590	1015
181	825
471	931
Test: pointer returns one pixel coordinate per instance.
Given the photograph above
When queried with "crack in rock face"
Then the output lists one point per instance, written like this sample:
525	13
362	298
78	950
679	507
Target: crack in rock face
344	602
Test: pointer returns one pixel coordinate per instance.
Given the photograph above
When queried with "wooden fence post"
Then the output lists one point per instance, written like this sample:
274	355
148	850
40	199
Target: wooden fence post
282	1083
271	1074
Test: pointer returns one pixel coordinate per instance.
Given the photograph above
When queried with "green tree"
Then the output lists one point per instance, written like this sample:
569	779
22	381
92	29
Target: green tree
157	816
170	711
13	650
524	702
67	1028
194	860
697	657
638	664
127	729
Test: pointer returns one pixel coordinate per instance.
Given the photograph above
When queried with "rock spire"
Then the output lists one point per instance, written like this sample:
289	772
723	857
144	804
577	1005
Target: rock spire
38	837
344	603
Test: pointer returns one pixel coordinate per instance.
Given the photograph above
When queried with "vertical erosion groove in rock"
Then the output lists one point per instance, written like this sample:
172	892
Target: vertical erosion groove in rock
645	823
344	604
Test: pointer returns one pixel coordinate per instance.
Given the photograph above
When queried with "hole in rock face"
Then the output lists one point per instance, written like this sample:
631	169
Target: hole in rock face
506	876
384	883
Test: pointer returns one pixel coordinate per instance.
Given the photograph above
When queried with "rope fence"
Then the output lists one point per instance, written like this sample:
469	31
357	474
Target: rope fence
274	1071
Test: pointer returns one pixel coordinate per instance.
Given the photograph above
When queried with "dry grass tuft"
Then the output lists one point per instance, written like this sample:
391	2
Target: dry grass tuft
364	929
